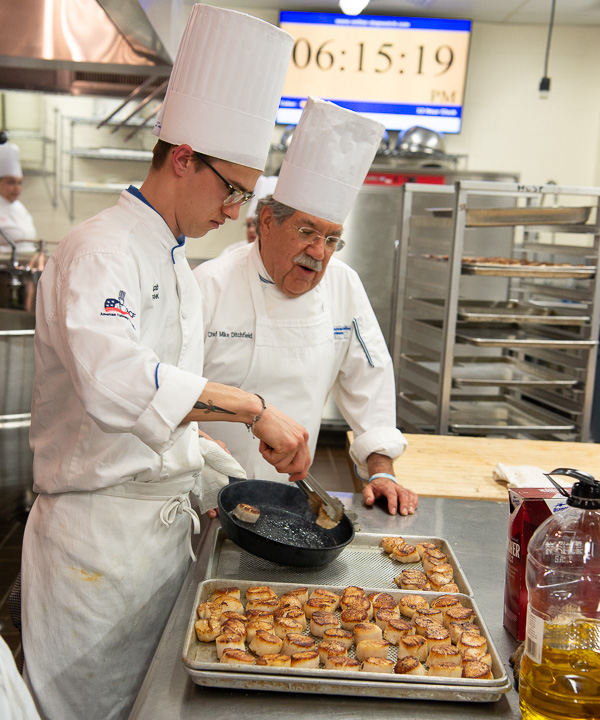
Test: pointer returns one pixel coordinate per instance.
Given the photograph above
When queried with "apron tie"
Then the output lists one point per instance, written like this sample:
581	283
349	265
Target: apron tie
177	505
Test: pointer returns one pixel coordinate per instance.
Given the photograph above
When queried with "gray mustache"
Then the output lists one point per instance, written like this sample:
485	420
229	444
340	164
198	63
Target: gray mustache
307	261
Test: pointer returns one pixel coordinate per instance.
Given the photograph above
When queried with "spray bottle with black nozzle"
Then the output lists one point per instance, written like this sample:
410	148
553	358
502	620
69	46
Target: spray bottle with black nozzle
560	670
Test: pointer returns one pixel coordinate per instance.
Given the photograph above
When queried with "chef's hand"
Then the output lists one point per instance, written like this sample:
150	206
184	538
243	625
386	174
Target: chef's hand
220	443
398	497
283	443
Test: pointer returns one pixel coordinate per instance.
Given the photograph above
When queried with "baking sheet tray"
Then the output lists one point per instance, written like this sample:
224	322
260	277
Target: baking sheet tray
517	312
530	271
201	662
362	562
534	215
512	337
483	414
496	371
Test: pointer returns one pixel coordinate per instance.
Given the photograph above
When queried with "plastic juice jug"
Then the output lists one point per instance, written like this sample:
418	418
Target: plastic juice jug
560	669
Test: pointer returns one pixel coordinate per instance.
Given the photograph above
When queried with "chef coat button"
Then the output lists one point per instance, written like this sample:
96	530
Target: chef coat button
183	315
164	476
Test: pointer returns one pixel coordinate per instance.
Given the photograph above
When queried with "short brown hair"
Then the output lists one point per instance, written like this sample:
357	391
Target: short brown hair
161	151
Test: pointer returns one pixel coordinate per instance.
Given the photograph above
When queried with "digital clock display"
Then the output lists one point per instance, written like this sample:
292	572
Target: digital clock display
400	71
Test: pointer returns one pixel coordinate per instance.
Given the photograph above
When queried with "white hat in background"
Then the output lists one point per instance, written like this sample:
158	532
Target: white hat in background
10	164
327	161
225	86
264	186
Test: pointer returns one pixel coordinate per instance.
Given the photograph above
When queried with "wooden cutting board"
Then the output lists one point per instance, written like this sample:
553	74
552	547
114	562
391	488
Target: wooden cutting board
461	467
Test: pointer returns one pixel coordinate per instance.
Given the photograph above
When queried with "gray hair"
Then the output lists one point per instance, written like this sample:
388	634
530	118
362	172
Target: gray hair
281	212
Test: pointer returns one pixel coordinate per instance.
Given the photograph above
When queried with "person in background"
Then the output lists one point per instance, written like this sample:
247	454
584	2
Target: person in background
285	316
264	186
15	220
118	389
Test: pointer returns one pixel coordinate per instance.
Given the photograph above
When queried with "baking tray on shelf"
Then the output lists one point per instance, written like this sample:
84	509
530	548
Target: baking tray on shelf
529	271
512	311
485	414
533	215
201	662
362	562
497	371
507	336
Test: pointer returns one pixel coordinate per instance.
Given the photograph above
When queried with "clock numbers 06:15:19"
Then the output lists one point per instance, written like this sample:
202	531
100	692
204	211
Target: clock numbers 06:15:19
426	61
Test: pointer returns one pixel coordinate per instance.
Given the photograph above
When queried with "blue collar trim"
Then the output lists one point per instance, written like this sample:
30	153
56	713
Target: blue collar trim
265	280
137	193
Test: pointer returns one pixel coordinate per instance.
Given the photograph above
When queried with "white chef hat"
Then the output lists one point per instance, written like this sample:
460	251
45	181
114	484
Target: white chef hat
327	161
9	160
264	186
225	86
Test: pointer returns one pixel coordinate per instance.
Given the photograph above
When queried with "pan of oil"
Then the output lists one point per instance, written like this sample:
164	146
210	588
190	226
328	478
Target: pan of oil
286	532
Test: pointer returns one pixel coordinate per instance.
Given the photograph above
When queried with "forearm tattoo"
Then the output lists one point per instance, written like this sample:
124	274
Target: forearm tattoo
210	407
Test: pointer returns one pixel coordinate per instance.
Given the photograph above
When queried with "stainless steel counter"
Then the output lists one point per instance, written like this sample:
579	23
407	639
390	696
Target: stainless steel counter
476	530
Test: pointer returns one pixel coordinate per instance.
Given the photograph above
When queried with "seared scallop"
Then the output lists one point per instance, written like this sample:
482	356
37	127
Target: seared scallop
229	642
377	665
254	626
477	671
274	660
341	635
458	614
331	647
367	631
409	604
296	642
237	657
207	630
321	621
341	662
306	660
443	653
397	628
265	643
445	669
246	513
412	645
372	648
409	665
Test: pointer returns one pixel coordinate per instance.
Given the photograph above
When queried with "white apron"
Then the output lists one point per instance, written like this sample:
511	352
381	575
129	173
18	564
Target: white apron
109	564
303	352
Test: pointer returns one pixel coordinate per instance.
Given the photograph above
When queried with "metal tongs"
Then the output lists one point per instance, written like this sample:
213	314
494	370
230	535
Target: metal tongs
329	510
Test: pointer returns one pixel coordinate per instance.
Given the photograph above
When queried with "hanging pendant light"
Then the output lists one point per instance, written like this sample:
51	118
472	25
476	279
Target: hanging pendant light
353	7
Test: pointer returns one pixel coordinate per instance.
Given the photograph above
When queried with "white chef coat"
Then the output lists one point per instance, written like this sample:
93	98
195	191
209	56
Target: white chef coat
118	355
294	351
15	700
17	223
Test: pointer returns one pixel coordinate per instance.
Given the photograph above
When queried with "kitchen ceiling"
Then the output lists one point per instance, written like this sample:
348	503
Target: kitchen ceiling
568	12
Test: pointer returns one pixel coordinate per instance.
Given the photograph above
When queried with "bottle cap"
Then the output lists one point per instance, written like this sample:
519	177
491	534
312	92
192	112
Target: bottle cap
585	493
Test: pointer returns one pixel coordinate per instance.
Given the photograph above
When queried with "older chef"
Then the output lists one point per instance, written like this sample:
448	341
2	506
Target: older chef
15	220
118	384
284	316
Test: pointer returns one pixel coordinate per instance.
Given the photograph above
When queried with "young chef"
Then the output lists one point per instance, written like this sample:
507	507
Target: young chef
284	316
15	220
118	357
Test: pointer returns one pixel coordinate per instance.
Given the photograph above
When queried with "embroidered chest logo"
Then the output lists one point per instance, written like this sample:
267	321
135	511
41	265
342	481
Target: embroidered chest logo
114	306
155	295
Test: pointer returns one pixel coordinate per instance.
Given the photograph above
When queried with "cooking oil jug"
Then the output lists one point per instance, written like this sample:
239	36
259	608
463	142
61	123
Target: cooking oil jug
560	669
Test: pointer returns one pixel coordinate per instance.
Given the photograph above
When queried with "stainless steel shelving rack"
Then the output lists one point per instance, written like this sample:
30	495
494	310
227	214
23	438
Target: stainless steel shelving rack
71	151
486	346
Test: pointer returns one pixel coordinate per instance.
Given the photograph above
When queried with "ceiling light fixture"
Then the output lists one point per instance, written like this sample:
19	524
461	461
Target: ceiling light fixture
353	7
545	81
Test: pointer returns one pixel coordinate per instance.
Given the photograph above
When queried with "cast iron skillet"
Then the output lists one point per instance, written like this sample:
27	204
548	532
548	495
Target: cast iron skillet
286	532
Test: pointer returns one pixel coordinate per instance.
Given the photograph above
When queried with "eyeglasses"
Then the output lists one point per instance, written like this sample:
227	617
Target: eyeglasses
310	236
236	196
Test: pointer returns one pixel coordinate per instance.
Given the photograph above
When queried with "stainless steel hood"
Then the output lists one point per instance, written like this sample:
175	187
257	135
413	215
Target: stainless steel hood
79	46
